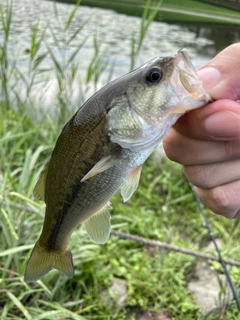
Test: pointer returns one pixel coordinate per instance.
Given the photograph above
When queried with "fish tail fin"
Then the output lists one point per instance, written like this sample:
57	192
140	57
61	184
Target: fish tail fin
42	261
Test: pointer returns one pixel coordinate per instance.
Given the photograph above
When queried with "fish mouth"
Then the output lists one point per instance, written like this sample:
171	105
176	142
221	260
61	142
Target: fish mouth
186	83
188	75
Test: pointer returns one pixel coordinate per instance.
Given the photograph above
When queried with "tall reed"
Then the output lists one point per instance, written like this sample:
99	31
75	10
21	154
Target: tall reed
148	16
5	69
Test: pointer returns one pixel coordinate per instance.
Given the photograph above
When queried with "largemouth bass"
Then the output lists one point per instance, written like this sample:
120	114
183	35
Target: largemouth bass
102	149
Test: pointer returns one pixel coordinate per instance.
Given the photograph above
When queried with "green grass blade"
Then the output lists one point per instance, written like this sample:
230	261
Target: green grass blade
71	58
72	14
57	306
56	42
9	224
148	16
22	197
79	29
39	60
33	49
56	63
19	305
10	136
6	21
36	44
36	155
25	172
16	250
50	315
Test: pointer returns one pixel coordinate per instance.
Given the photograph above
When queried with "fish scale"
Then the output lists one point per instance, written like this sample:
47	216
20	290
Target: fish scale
102	149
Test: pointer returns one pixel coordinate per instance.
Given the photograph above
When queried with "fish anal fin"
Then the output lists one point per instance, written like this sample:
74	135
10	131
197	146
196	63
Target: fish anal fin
39	189
102	165
131	184
98	226
42	261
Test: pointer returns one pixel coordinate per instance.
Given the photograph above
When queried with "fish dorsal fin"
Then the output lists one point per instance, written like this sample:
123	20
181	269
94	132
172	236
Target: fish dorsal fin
98	226
102	165
131	184
39	189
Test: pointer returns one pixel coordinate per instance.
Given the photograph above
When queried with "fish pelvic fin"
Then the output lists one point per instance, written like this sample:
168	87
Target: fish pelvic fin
98	226
42	261
131	184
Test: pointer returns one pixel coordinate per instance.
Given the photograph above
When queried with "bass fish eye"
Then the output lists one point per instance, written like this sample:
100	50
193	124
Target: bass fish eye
154	75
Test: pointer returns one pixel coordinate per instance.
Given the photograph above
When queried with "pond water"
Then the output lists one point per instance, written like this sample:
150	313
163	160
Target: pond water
113	32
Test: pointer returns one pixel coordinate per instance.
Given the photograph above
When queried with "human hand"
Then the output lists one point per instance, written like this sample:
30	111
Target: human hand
206	141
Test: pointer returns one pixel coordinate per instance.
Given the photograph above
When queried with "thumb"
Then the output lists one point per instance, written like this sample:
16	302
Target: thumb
221	75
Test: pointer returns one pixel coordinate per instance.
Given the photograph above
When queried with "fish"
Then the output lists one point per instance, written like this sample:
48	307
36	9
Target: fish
102	149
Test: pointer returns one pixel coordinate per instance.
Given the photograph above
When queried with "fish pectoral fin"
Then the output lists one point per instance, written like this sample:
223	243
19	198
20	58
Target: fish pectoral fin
102	165
98	226
131	184
42	261
39	189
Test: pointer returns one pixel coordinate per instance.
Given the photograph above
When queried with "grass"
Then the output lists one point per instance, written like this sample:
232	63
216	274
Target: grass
135	7
162	208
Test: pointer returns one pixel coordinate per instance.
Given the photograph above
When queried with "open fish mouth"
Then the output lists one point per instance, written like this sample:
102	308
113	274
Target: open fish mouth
185	81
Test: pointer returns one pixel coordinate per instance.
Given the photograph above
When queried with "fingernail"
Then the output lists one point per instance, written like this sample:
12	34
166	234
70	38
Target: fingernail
210	77
223	124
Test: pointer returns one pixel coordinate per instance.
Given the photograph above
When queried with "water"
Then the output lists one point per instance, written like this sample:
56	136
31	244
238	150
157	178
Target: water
113	32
